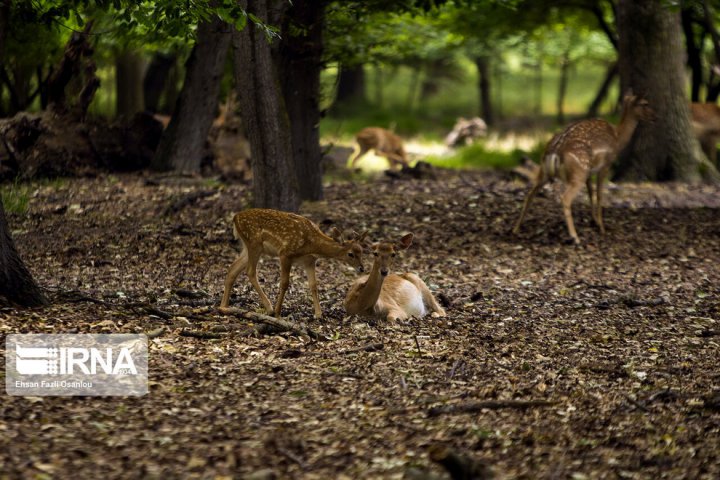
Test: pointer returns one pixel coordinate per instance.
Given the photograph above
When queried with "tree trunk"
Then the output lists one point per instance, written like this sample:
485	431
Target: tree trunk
351	85
538	81
486	107
602	93
155	79
183	142
16	282
379	87
562	88
299	67
693	50
128	83
275	183
651	63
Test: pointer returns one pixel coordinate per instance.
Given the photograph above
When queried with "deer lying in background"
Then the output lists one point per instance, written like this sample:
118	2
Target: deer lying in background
466	131
294	240
706	127
384	142
584	148
389	295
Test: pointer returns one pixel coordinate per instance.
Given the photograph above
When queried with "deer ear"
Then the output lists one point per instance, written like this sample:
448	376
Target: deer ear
336	235
361	237
404	242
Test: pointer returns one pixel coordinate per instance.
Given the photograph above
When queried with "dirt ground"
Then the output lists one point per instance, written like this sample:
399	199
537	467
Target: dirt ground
619	337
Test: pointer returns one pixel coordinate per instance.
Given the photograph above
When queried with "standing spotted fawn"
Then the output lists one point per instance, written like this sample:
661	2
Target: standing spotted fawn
294	240
582	149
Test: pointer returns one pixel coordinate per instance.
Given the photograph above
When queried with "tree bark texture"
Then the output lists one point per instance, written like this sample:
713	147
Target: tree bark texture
183	143
264	115
651	63
16	283
300	66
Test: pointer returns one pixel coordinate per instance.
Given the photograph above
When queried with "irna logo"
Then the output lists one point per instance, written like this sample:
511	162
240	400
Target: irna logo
64	360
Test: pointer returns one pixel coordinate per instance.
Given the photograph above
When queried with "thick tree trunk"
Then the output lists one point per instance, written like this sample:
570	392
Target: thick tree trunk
128	83
183	142
602	93
651	63
486	107
693	50
351	85
300	66
275	183
16	282
155	79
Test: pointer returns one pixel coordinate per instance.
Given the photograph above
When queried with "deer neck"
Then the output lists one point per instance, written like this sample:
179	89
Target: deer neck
370	293
625	129
327	247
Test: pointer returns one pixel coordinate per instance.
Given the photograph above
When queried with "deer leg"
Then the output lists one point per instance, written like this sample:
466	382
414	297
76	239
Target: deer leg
238	266
600	179
252	275
591	197
285	266
363	150
427	295
528	199
309	266
571	191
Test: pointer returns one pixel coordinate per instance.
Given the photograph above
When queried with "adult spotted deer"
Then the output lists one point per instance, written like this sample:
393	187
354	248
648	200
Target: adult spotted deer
706	127
384	142
582	149
389	295
294	240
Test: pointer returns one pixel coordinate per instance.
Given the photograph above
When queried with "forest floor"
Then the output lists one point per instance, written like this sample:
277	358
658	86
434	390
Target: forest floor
616	338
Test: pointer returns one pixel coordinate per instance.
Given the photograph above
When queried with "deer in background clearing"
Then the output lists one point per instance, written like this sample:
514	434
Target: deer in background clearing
384	142
705	122
582	149
390	295
294	240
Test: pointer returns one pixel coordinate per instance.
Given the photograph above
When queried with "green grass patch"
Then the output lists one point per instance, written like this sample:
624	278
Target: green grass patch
477	156
15	197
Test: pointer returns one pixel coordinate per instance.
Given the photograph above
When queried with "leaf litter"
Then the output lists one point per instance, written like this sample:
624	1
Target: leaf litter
554	361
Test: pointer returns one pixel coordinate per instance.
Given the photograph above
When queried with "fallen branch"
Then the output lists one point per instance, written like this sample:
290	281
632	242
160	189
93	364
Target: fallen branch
370	347
277	324
202	335
474	407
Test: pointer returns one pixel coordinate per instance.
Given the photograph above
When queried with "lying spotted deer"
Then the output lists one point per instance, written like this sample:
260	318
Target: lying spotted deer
706	127
582	149
389	295
294	240
384	142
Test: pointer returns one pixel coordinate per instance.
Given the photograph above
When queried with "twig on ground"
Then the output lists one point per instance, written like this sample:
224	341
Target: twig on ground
474	407
370	347
202	335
